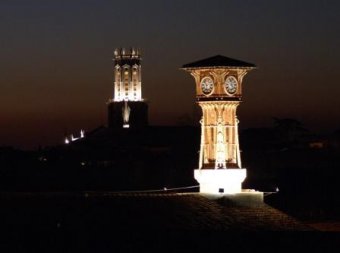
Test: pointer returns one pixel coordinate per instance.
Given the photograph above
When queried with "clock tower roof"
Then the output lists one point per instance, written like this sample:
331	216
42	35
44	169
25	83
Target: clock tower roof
218	61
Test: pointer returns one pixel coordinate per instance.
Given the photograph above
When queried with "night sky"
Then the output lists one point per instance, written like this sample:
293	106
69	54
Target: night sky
56	68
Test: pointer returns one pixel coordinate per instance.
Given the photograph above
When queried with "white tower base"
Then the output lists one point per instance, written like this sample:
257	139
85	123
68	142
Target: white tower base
221	181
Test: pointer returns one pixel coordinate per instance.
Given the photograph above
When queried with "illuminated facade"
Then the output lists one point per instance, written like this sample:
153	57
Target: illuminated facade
219	91
127	108
127	75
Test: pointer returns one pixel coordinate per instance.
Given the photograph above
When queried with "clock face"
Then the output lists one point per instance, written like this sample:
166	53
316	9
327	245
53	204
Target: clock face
207	85
230	84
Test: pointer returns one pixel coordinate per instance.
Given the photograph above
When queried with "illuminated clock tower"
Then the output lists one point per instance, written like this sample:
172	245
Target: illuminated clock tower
127	108
219	91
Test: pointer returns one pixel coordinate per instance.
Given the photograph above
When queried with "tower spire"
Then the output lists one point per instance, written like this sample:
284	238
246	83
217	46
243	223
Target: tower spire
126	107
127	75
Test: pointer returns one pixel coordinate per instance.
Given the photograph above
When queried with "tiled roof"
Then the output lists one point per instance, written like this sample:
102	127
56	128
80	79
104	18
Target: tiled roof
219	61
159	211
192	211
145	222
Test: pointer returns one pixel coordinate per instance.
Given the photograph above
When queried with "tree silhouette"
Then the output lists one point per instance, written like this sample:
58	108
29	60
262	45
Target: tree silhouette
289	130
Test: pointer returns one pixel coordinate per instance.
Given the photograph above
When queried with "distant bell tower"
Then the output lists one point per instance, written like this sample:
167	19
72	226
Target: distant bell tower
219	91
127	108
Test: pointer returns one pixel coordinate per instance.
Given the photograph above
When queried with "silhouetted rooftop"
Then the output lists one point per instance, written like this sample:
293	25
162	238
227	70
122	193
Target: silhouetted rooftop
219	61
157	211
141	222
